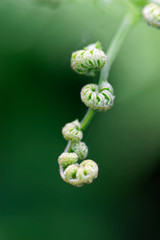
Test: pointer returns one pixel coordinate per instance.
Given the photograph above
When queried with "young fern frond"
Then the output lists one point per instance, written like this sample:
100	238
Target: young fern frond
88	60
71	131
97	97
151	14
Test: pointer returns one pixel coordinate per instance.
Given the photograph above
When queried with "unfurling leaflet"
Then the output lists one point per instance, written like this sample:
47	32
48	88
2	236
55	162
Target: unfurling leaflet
151	14
71	131
80	149
88	60
98	97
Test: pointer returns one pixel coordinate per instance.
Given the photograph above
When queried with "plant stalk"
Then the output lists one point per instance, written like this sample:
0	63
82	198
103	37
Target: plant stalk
116	44
87	118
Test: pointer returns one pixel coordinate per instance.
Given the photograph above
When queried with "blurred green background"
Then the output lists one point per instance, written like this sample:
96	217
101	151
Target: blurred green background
39	93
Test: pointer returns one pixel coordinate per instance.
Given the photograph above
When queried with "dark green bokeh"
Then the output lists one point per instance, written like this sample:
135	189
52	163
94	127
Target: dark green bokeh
39	93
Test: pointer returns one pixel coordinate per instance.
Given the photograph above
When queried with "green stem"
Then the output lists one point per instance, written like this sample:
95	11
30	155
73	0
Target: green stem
87	118
116	44
68	147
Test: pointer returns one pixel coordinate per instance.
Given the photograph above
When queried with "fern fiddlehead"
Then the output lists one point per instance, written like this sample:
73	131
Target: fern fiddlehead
151	14
88	60
71	131
99	98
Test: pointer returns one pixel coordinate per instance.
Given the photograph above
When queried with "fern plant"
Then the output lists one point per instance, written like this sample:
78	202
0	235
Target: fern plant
100	96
